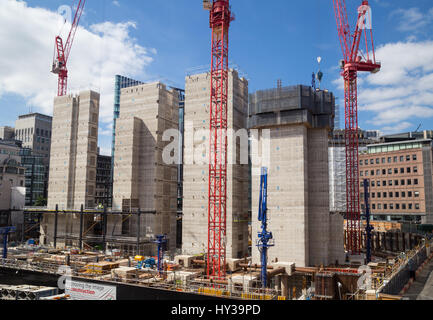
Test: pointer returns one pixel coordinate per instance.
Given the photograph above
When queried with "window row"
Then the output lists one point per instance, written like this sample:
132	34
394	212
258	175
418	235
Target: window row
392	206
394	159
390	183
378	172
392	194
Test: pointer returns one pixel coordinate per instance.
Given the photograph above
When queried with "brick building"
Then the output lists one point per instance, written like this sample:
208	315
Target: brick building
400	175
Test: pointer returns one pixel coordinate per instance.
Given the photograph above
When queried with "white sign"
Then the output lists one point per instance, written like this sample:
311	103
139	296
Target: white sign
89	291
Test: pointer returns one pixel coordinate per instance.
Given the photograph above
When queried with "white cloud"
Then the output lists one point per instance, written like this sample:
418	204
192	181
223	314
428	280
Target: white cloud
98	54
412	19
402	92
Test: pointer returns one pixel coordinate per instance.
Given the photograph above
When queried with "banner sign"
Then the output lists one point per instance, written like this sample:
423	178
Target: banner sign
78	290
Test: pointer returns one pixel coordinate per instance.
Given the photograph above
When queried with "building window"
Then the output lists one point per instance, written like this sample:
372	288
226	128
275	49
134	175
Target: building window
402	170
379	195
414	157
390	194
397	194
403	206
409	194
396	182
384	171
384	183
410	206
415	169
409	182
373	206
416	194
408	170
391	206
372	172
384	194
378	172
389	159
415	181
379	206
395	159
401	159
402	182
378	183
361	162
395	171
389	171
362	173
373	194
397	206
403	194
383	160
407	158
417	206
385	207
377	161
371	161
390	183
372	183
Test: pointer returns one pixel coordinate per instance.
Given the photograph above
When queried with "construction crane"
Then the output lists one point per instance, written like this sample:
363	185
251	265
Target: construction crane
220	17
354	60
62	52
160	241
265	238
5	233
369	228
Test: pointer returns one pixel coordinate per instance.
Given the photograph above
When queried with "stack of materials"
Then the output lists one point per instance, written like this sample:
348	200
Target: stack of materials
25	292
101	267
124	273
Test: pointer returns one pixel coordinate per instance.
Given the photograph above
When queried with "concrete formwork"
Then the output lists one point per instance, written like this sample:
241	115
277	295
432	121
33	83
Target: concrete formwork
196	166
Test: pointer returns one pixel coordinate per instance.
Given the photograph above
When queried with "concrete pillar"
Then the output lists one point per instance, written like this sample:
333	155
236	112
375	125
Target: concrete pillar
285	285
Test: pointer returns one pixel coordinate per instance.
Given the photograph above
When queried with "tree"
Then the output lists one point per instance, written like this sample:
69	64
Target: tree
40	202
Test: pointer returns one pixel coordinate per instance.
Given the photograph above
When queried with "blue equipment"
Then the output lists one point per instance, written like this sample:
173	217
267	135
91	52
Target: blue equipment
369	228
146	263
5	232
160	240
265	240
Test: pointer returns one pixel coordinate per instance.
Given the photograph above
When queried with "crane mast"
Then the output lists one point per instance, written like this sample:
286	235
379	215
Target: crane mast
62	52
220	18
354	61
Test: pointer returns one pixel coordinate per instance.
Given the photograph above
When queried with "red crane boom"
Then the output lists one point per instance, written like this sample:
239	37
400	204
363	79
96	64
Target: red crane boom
354	61
62	52
220	18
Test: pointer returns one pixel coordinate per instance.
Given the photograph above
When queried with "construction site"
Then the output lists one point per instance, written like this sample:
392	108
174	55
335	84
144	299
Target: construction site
273	210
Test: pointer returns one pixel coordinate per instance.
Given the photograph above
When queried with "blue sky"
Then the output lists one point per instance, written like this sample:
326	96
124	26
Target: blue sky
270	40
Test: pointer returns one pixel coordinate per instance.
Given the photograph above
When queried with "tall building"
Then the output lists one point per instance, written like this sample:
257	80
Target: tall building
142	179
400	175
299	121
74	152
7	133
35	175
196	167
34	130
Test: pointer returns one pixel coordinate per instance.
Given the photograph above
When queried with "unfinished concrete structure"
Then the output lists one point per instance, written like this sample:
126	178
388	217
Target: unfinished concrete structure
196	167
299	120
74	151
142	179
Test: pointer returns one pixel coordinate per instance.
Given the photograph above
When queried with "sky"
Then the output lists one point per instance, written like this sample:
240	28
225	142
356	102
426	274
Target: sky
164	40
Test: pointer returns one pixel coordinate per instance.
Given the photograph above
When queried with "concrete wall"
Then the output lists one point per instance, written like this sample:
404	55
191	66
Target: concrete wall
73	156
140	174
196	167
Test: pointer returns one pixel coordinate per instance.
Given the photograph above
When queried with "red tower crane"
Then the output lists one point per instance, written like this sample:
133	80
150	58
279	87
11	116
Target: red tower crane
220	19
62	52
354	60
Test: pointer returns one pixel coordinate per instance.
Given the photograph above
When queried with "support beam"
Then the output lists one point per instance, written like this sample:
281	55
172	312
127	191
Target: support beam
81	228
55	225
138	230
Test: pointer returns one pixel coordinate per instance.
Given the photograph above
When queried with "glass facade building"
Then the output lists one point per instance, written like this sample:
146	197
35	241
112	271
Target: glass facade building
35	176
